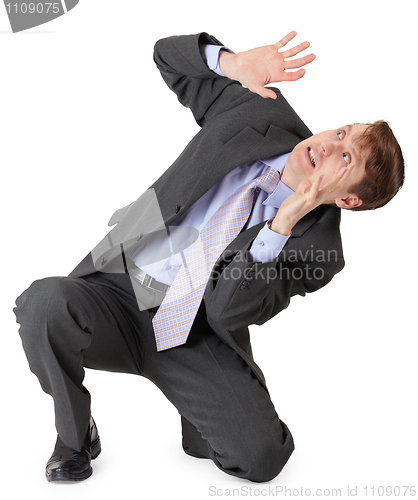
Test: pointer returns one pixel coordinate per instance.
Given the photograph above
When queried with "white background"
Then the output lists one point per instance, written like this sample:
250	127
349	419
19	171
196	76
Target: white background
75	96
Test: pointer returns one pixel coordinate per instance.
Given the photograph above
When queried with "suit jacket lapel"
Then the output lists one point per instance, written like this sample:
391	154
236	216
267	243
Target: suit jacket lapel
247	146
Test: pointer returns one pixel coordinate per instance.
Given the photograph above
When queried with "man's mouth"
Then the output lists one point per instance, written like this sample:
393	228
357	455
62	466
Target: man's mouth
311	156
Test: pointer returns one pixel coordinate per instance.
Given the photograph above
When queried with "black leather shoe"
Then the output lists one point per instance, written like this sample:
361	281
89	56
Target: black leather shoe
67	464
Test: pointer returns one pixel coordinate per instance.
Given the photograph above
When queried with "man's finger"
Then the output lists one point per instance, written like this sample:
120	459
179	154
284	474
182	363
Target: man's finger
337	180
285	40
266	93
343	174
295	50
292	76
315	186
303	186
297	63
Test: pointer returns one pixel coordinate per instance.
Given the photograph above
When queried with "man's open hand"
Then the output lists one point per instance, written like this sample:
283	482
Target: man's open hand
309	195
258	67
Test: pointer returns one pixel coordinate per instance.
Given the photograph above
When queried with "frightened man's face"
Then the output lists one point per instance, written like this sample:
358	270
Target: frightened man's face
323	153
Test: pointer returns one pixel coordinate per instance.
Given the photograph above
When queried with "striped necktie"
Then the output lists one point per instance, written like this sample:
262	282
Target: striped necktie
176	314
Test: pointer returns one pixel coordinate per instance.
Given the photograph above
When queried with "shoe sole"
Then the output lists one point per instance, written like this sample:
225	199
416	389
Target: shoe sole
62	476
66	476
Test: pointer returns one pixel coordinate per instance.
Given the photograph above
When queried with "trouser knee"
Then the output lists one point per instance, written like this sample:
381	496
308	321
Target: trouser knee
34	300
267	458
50	320
40	302
259	456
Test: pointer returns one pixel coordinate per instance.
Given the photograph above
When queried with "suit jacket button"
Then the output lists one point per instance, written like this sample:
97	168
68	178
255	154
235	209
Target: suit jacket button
246	283
243	287
178	208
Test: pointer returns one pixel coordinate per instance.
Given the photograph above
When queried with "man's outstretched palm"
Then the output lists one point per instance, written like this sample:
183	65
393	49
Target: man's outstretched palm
258	67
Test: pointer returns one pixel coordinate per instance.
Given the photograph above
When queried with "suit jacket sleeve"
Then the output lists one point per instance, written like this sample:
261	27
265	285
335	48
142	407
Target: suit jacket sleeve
197	87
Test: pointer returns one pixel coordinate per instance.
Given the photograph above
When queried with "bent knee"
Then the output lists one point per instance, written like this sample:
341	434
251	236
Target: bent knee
260	457
39	290
268	459
33	304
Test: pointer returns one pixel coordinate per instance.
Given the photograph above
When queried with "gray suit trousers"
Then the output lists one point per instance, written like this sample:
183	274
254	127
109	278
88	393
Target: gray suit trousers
68	324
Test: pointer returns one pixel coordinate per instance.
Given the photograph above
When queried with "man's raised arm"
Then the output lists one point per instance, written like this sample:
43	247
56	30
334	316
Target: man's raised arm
206	93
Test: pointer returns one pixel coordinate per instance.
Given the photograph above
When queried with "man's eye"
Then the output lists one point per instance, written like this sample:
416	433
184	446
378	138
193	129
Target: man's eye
346	157
340	134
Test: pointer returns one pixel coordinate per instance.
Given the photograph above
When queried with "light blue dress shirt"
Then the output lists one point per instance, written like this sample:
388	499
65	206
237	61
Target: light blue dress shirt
266	246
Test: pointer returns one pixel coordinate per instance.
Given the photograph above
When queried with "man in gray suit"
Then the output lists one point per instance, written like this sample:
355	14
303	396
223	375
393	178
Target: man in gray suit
103	315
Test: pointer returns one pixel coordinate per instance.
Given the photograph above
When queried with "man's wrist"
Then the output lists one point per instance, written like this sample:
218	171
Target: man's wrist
280	227
267	245
226	62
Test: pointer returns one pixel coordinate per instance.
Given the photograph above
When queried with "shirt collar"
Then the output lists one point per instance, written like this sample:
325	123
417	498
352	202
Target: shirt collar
276	198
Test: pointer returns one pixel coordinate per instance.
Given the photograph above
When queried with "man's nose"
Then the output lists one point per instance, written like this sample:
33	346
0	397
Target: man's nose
327	147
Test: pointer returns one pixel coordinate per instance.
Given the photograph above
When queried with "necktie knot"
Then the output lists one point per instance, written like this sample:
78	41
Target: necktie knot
269	180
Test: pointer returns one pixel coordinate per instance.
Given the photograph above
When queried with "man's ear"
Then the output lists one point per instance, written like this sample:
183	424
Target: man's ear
349	202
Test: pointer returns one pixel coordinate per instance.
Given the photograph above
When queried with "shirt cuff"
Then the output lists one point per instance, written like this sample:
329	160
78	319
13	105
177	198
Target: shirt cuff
267	245
210	54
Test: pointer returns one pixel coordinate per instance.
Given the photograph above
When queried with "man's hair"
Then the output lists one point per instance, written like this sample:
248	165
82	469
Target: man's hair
384	167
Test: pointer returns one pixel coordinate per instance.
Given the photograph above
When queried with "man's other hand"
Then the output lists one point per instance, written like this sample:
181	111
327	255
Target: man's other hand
258	67
309	195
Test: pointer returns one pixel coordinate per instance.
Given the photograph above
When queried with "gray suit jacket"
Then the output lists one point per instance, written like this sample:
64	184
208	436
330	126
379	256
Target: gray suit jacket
238	126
